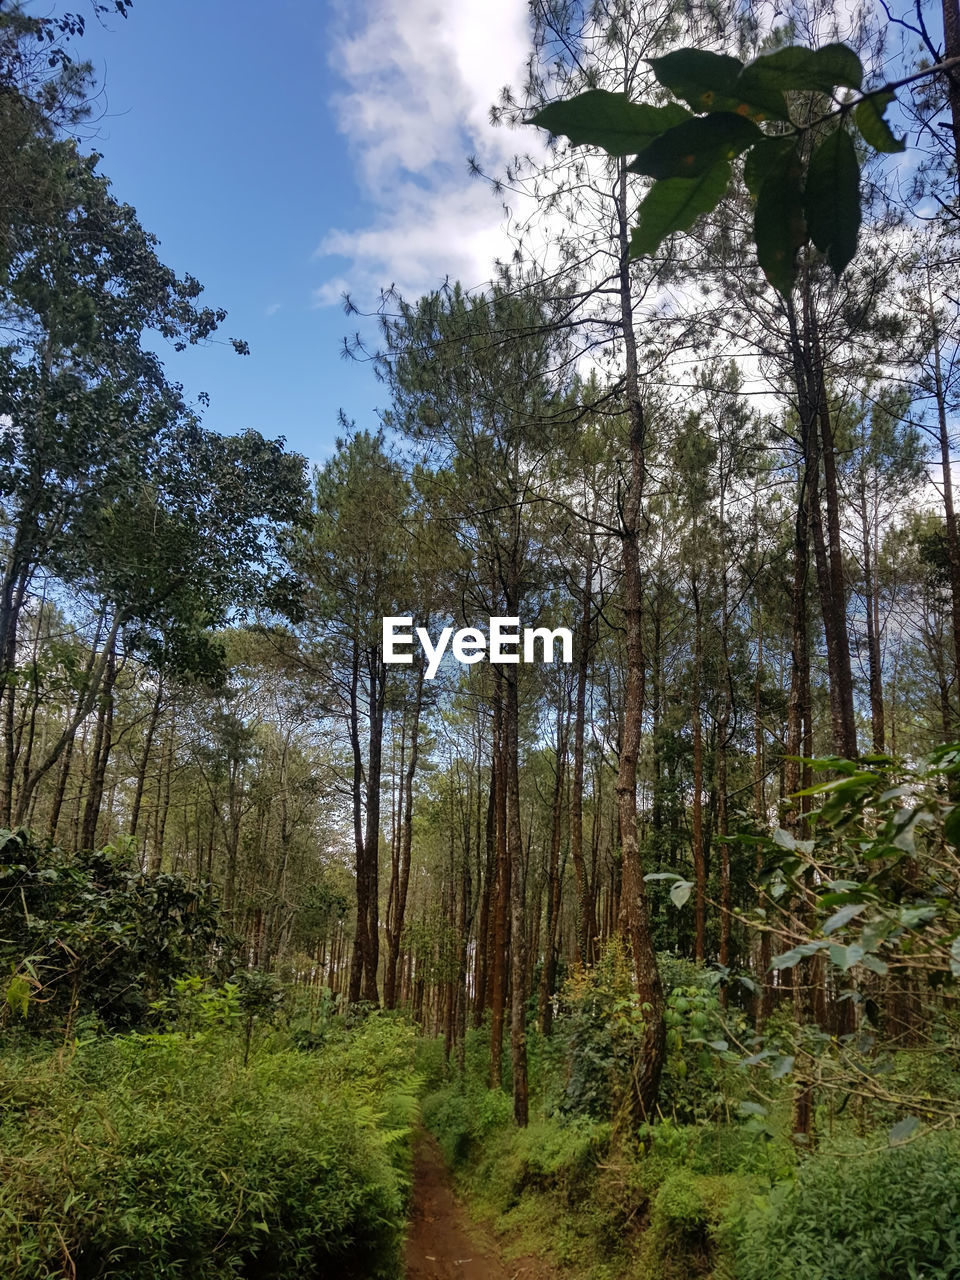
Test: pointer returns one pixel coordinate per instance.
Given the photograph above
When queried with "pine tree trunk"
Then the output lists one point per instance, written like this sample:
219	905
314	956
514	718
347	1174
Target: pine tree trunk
649	987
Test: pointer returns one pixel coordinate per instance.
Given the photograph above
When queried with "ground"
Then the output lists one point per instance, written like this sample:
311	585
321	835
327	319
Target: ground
445	1243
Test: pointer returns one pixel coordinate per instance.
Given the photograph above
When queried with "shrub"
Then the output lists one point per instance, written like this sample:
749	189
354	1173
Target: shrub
888	1215
601	1030
92	935
460	1118
160	1156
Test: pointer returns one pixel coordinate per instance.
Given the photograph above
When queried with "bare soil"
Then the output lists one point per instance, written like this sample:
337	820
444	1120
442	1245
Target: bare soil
445	1243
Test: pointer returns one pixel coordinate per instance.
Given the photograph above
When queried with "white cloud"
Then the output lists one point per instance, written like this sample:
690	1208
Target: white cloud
419	80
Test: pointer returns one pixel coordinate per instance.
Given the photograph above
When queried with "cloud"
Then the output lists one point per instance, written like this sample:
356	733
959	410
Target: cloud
418	82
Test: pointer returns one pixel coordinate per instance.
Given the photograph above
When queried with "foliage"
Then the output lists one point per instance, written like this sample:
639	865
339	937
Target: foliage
162	1156
686	1215
879	869
602	1030
880	1215
802	172
91	934
689	1086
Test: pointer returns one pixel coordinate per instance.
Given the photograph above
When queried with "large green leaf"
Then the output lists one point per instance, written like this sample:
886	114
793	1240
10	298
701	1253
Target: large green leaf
681	892
869	117
832	198
763	155
674	204
699	77
844	916
845	957
598	118
820	70
778	224
696	145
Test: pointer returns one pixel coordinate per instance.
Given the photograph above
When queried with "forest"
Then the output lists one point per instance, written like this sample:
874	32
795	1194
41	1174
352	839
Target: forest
650	945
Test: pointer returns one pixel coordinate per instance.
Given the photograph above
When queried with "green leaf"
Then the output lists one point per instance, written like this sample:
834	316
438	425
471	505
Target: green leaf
875	965
759	1057
955	957
696	145
951	826
843	916
761	157
832	199
674	204
903	1130
846	957
680	892
841	899
783	838
17	995
797	68
910	917
782	1067
853	783
747	1108
787	960
778	223
701	78
598	118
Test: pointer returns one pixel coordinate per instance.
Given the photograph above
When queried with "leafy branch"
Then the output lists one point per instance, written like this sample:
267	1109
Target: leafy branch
803	175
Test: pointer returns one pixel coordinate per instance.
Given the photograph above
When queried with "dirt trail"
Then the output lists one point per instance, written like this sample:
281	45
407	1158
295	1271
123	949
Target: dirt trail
444	1242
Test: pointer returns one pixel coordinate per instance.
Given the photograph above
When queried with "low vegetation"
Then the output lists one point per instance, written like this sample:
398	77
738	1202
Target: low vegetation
192	1152
717	1184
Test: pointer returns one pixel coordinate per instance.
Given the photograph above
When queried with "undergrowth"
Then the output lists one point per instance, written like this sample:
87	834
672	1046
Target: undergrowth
717	1186
155	1156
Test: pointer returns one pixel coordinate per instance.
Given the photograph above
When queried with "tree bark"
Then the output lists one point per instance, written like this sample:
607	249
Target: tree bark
649	987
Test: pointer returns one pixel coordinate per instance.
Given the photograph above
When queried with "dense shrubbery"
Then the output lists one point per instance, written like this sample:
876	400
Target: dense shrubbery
580	1185
88	933
154	1156
864	1215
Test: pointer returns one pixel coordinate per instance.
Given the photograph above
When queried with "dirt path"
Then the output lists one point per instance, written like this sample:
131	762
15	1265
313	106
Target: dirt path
444	1242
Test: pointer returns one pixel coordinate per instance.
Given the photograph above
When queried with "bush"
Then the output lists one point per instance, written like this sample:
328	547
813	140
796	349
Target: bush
90	935
460	1118
601	1029
562	1158
888	1215
160	1156
685	1234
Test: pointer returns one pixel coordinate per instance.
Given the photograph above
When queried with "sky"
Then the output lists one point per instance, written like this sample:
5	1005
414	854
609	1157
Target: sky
287	153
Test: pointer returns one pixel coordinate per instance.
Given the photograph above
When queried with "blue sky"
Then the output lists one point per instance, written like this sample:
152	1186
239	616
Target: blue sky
285	152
